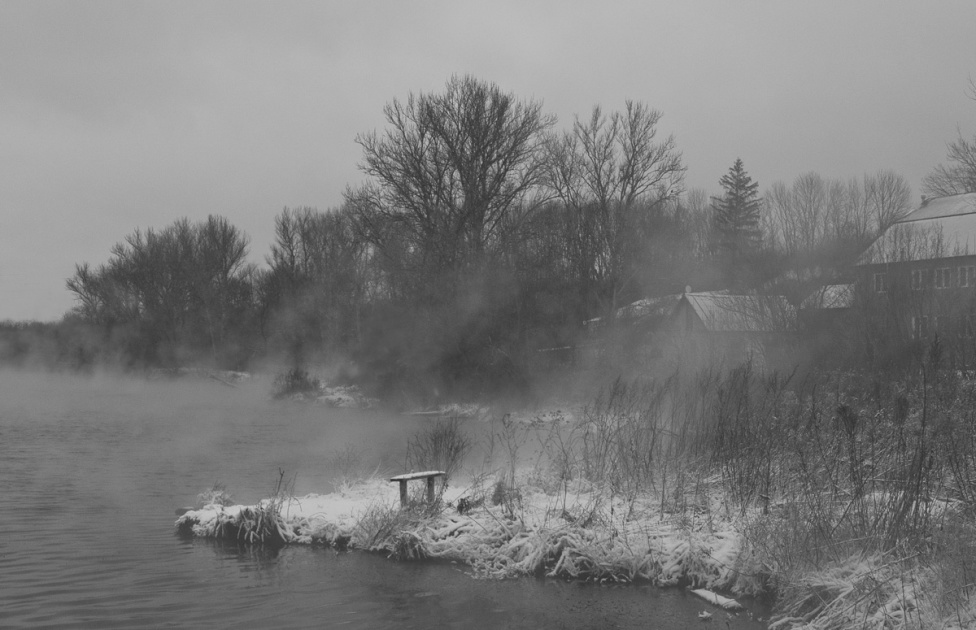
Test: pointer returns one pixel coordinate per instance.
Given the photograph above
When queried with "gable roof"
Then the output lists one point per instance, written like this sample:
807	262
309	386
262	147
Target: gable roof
940	228
722	312
942	207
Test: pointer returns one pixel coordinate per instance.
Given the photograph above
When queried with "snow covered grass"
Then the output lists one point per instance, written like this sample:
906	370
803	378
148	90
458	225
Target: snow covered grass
849	486
849	498
579	536
874	591
260	524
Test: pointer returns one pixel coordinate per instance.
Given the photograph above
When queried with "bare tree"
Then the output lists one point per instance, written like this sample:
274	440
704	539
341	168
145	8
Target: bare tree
814	212
221	277
455	171
176	290
452	181
88	286
806	213
699	217
607	171
822	225
959	175
316	286
888	198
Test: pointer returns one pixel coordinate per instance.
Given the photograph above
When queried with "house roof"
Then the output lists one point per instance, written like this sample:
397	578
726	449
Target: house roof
830	296
941	207
722	312
940	228
646	308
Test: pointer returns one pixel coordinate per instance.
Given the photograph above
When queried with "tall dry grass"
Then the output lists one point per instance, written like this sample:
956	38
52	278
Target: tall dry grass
818	471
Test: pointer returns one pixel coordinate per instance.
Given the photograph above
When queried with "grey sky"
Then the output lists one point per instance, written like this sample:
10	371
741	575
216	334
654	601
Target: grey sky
118	115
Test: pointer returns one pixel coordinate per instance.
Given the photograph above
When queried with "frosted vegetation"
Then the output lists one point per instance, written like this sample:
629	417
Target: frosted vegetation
847	498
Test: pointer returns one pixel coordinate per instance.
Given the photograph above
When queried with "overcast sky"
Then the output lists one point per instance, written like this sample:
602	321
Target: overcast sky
123	115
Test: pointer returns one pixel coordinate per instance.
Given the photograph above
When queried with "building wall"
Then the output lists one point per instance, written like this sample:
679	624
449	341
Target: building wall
917	302
687	343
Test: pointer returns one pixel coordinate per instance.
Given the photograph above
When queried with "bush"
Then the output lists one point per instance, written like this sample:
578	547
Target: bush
294	381
216	495
350	465
440	446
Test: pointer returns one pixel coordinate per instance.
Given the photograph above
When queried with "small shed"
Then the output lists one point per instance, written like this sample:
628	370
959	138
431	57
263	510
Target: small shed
633	333
719	325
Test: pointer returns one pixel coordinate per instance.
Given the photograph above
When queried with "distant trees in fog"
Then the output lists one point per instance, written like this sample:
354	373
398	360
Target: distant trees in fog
451	182
613	177
480	235
168	293
311	297
959	175
455	173
821	226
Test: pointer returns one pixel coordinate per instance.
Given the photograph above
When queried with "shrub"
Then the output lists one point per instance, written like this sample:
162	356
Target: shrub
216	495
439	446
349	465
294	381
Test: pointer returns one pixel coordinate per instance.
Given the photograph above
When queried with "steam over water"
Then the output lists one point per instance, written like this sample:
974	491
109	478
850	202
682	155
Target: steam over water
91	471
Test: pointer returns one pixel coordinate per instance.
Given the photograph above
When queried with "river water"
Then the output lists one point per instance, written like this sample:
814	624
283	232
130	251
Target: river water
92	469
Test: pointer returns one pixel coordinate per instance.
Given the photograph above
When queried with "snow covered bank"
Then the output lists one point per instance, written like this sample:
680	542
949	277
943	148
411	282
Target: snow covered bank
577	536
585	535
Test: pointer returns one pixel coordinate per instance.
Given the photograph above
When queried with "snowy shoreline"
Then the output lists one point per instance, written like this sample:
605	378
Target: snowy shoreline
737	485
582	536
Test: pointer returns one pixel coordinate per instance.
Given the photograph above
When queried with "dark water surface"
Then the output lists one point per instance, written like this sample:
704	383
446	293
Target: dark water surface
91	471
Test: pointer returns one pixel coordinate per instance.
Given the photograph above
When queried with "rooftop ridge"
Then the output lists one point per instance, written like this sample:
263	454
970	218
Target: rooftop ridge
907	218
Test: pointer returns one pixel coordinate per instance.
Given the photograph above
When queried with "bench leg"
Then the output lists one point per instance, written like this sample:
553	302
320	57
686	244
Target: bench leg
430	489
403	493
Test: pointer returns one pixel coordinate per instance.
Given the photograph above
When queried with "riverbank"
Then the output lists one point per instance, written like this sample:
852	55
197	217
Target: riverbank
581	534
584	534
847	499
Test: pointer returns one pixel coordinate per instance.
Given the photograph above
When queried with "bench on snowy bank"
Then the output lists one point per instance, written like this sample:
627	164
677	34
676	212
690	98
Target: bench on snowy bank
429	475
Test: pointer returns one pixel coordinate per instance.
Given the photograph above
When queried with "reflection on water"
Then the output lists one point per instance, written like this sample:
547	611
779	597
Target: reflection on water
92	471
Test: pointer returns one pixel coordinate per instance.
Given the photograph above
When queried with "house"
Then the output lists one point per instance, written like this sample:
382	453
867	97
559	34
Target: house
694	329
632	332
917	281
719	326
645	313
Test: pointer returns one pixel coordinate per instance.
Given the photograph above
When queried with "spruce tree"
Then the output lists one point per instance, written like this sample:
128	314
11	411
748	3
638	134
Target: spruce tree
737	218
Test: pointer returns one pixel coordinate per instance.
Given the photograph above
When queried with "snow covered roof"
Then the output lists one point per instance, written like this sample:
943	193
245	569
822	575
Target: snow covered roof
830	296
941	207
722	312
939	228
645	308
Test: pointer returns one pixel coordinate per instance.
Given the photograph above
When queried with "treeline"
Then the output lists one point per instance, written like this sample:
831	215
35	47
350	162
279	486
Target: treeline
481	235
166	297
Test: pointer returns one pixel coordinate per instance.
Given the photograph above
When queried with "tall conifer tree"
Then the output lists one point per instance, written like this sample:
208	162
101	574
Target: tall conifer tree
737	222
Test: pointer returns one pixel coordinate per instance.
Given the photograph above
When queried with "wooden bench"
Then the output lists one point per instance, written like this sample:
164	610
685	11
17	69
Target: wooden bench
429	475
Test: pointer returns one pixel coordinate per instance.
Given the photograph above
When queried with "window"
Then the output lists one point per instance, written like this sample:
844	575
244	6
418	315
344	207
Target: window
917	279
967	276
920	326
968	325
880	282
943	278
